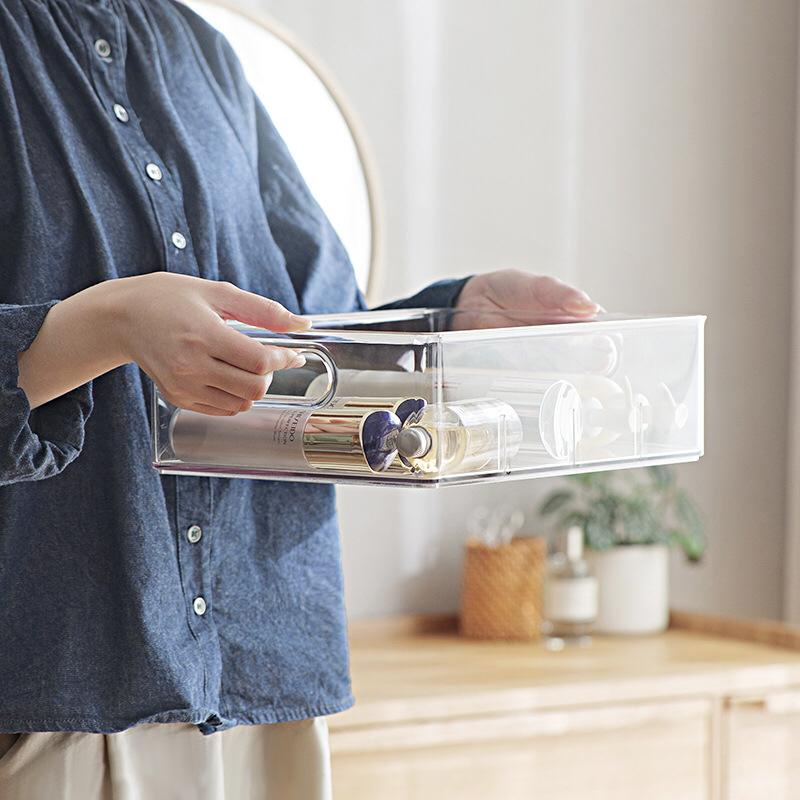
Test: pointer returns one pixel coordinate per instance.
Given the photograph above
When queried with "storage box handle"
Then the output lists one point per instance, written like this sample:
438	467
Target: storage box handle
320	352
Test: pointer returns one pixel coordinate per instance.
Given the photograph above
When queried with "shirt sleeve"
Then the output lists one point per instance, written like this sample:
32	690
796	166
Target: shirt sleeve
442	294
34	444
316	260
308	240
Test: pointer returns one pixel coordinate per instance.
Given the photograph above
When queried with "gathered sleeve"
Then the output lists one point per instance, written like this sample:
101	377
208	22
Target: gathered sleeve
40	443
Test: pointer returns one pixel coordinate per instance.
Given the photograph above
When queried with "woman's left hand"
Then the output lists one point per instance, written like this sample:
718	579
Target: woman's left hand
540	299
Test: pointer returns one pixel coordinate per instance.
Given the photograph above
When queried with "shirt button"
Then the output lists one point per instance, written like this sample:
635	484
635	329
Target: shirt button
154	171
199	606
121	113
179	240
102	48
194	533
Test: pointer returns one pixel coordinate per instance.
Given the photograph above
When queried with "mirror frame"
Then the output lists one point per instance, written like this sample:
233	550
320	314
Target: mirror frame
345	109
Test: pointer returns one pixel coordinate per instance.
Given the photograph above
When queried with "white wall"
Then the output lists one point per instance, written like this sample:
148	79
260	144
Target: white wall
642	149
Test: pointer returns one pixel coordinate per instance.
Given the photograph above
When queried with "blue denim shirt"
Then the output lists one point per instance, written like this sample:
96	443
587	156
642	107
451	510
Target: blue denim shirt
98	575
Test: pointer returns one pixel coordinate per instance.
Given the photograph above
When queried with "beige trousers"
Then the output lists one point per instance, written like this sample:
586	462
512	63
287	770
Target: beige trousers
290	761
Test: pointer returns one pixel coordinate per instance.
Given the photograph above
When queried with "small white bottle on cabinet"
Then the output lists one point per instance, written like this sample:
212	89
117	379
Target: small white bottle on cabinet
570	595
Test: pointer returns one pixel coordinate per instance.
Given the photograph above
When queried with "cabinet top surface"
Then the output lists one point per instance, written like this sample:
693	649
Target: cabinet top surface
400	678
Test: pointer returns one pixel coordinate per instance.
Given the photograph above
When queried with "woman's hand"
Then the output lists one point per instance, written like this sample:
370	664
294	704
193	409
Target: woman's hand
173	327
539	299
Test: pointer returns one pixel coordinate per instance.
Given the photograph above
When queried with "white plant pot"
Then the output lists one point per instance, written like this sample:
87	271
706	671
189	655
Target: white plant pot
633	585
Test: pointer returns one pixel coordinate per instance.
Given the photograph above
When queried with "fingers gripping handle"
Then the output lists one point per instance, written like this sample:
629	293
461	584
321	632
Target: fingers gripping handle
288	400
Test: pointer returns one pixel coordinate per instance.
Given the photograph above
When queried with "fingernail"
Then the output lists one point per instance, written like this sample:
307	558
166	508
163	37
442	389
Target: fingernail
581	306
297	360
302	323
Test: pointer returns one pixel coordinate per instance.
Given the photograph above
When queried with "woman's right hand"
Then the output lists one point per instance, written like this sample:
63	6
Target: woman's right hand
173	327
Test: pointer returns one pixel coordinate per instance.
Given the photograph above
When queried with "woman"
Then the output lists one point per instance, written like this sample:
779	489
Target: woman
145	198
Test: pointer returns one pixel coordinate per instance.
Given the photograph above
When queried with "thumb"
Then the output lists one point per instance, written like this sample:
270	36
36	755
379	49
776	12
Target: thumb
555	294
253	309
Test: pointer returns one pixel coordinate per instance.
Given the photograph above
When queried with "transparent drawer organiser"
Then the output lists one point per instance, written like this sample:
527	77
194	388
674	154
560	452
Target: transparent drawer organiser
433	397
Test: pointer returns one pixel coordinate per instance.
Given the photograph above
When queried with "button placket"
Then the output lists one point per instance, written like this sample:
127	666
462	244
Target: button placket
108	69
193	518
106	51
195	495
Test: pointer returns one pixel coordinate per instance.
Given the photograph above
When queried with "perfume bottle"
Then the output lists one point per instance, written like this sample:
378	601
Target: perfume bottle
358	438
466	436
570	595
549	407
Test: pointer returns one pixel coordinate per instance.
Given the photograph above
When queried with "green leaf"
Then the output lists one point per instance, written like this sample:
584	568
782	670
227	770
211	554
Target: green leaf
607	509
555	502
663	477
640	523
590	480
687	514
693	547
599	536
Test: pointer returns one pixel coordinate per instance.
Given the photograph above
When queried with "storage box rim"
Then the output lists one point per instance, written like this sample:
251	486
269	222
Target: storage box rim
445	337
194	470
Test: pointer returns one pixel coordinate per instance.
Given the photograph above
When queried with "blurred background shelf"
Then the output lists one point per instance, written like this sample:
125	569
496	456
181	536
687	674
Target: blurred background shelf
711	709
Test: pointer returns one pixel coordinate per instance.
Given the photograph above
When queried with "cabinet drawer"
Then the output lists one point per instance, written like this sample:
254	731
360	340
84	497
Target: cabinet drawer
432	397
656	750
763	747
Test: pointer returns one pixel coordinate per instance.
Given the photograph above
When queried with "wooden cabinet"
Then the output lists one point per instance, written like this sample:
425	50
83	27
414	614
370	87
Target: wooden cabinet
762	747
689	715
657	750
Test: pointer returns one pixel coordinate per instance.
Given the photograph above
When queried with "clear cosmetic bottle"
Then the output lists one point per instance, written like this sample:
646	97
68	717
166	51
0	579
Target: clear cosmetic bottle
462	437
570	595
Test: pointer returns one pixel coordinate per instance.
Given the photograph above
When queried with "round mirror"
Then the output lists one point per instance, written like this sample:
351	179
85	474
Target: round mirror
314	121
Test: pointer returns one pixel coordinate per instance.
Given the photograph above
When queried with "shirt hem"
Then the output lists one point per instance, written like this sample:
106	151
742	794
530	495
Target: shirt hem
268	716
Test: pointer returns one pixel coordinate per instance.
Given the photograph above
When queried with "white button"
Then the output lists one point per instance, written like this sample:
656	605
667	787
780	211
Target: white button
194	533
179	240
154	171
199	606
121	113
102	48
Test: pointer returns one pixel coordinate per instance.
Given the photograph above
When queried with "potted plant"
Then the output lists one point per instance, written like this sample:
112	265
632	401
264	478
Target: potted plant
630	519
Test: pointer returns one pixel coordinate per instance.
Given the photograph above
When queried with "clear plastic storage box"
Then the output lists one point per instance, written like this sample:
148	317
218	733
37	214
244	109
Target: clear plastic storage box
432	397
